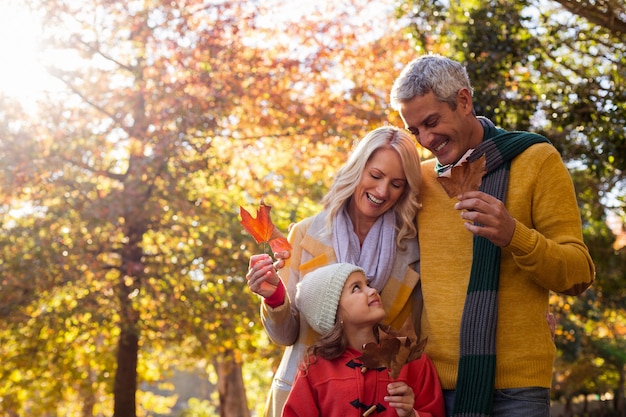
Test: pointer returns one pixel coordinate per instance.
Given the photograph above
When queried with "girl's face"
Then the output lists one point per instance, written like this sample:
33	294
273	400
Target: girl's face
359	303
382	184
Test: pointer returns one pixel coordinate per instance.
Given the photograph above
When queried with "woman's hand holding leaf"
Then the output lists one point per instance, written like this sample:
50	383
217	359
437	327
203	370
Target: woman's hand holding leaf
262	276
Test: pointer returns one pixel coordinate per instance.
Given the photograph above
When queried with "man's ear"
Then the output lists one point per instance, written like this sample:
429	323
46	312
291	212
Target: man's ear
464	101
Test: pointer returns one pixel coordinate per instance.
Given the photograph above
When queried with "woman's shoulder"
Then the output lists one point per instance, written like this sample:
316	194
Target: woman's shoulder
316	218
311	225
308	236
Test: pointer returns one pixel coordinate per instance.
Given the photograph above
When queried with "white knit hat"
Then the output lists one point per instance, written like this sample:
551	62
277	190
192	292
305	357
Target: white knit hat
318	293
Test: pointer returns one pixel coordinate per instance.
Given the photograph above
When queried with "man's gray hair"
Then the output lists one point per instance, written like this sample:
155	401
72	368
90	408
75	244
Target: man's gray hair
443	76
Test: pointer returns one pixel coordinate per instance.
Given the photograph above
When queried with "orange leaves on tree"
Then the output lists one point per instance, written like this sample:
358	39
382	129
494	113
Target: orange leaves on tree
392	353
262	229
466	176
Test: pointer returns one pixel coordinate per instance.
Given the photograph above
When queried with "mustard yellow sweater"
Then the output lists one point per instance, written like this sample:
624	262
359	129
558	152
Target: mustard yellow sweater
546	254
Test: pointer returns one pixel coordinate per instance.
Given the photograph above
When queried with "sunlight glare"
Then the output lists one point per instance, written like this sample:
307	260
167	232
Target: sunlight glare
21	73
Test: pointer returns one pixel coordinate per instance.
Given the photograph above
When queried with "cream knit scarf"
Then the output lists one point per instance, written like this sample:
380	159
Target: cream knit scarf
378	252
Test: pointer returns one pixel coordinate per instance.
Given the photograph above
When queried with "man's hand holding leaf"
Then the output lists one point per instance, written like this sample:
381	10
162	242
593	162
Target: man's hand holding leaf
466	176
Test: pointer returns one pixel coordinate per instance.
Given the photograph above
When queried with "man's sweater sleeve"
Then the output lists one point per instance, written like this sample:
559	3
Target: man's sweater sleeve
552	247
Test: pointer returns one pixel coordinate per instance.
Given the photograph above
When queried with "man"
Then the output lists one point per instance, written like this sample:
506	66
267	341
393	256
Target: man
489	258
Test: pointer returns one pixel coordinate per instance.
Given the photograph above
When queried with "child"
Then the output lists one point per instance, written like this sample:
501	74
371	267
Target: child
337	303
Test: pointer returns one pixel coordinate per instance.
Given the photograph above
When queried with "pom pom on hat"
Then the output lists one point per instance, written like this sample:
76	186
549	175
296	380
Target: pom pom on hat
318	293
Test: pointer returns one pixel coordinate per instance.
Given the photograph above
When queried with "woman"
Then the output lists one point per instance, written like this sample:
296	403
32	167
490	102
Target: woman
333	381
368	220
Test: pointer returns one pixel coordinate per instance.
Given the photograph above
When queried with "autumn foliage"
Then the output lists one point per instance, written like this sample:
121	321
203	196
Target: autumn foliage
262	228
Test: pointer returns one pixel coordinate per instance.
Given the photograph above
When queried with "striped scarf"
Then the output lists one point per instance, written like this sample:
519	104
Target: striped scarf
477	362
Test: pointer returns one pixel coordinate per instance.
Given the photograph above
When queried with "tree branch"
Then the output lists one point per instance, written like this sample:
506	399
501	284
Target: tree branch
606	13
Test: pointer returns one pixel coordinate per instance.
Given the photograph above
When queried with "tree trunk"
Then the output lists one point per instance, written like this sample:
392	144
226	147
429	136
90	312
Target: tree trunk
9	403
88	395
568	407
232	394
125	386
620	404
88	404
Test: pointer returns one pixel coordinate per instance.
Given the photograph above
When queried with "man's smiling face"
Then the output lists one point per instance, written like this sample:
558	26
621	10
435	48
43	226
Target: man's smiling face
440	129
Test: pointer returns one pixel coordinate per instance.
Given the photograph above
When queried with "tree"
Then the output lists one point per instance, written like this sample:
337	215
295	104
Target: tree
111	189
132	176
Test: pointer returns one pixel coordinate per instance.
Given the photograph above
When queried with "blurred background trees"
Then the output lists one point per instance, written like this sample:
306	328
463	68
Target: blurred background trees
122	257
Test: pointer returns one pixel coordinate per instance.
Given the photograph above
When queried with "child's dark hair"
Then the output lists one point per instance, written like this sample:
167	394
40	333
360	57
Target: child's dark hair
329	346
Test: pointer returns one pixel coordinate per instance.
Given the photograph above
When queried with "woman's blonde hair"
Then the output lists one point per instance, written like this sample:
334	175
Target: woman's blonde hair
349	176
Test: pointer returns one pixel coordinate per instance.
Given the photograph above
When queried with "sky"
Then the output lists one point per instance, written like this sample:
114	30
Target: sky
20	72
23	76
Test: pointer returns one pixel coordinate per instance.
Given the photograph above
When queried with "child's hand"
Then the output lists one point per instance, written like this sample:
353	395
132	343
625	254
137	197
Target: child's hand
402	398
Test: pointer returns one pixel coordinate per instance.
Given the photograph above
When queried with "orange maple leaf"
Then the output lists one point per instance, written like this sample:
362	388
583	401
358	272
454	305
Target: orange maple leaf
392	353
466	176
262	229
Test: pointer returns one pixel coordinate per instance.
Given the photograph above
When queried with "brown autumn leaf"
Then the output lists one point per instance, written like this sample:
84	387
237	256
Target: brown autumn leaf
466	176
380	355
262	229
407	352
392	352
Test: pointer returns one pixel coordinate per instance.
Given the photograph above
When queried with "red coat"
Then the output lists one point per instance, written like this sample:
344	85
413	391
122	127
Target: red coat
338	388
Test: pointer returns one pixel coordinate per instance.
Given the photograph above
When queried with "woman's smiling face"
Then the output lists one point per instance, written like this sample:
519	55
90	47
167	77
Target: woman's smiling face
381	185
